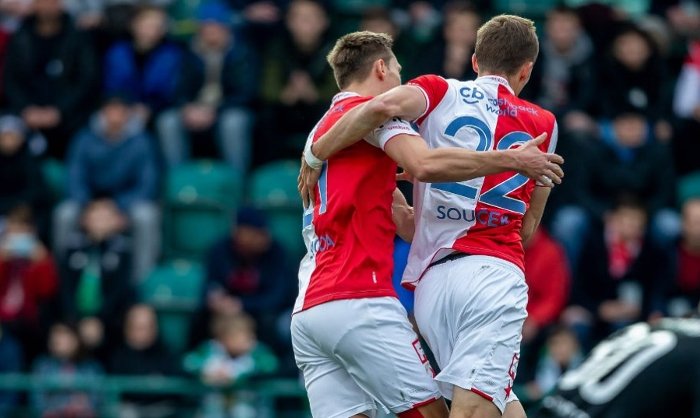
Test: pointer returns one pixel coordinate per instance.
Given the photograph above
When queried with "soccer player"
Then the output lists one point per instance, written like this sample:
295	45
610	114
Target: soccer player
642	371
466	260
350	335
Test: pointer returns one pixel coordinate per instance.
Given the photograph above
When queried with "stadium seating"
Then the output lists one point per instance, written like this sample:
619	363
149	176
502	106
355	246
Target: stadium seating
689	187
174	289
273	188
531	8
199	203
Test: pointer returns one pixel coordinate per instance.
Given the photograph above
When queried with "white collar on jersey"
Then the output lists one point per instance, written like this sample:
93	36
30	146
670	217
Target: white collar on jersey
344	95
498	79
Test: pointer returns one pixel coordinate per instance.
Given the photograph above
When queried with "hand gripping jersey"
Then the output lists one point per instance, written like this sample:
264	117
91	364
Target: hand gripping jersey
484	215
642	371
349	232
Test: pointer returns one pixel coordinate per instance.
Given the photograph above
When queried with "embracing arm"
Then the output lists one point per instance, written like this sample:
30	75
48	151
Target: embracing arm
458	164
532	217
406	102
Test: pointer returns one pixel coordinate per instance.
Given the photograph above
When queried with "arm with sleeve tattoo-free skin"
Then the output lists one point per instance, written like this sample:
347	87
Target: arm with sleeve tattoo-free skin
533	215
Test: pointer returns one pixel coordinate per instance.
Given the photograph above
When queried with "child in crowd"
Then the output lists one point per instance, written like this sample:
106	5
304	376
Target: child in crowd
66	361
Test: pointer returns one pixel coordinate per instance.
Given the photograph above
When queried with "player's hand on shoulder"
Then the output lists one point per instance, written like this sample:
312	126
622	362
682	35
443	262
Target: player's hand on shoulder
541	166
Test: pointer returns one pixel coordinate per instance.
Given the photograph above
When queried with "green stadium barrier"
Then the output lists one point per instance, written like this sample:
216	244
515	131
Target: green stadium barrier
111	388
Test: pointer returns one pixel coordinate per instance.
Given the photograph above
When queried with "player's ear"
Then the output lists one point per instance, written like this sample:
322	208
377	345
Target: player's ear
526	71
475	64
380	68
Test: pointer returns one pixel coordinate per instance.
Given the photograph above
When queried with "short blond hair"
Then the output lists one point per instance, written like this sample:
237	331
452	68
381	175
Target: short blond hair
505	43
353	55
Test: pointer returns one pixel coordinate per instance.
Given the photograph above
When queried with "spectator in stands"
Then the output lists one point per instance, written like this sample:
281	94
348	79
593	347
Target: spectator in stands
562	353
562	80
147	67
625	159
450	54
216	84
686	105
28	280
379	20
247	271
20	179
50	74
297	83
620	278
66	360
685	291
234	355
112	185
11	361
4	41
635	76
548	280
143	354
12	12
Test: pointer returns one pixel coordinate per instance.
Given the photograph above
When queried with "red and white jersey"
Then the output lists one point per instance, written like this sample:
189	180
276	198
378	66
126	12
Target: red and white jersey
483	215
349	232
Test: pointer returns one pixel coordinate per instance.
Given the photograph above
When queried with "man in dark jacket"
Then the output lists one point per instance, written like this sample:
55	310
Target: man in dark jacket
217	81
247	271
112	185
50	74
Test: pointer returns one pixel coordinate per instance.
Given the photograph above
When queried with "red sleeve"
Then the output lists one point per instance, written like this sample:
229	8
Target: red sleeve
434	88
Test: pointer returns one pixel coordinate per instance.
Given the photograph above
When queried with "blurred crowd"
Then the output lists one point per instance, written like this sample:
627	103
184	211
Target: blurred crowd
121	93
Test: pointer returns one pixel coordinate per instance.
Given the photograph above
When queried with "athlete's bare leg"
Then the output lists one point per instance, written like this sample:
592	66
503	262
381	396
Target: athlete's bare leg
467	404
514	410
437	409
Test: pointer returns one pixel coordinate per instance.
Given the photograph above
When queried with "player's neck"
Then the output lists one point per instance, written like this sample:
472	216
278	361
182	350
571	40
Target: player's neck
368	87
512	81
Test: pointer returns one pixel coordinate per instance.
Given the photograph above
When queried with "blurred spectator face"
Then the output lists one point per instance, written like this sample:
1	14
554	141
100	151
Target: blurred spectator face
627	223
563	29
461	27
631	130
306	21
18	240
238	336
214	35
632	50
691	223
63	342
562	347
10	142
116	115
48	9
251	241
149	28
378	21
141	328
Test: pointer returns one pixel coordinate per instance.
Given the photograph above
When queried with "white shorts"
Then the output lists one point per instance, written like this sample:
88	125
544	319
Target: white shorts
471	312
358	355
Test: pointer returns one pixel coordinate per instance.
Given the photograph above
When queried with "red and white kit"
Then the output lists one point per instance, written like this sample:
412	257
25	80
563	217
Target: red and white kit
471	309
351	337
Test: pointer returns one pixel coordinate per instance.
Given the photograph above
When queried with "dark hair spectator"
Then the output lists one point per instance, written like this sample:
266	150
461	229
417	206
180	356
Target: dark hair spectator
450	53
143	354
50	74
28	281
296	83
112	185
685	288
21	182
621	275
248	271
216	85
147	67
66	359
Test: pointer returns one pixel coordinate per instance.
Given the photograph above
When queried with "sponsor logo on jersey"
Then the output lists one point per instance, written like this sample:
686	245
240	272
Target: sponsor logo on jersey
322	243
487	217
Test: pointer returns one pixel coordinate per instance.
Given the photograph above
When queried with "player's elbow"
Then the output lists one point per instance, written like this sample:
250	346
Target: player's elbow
425	170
